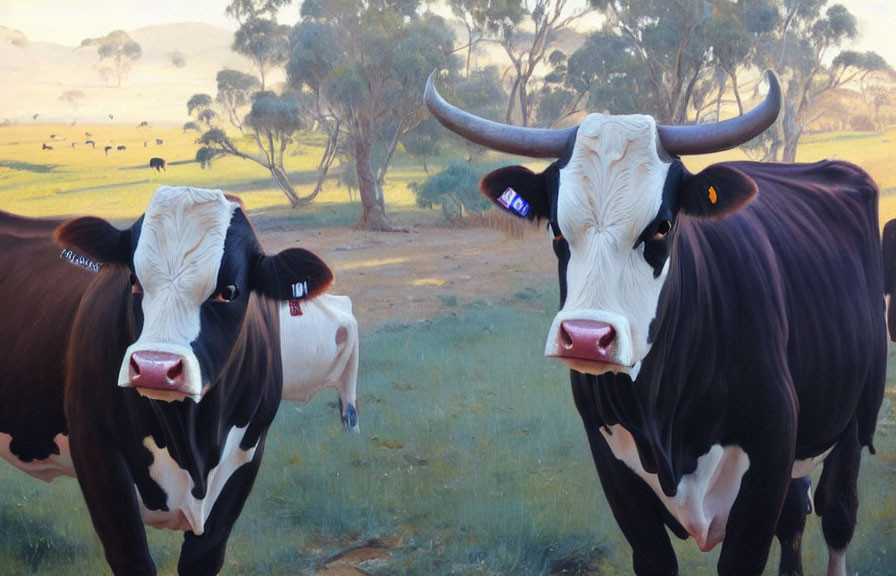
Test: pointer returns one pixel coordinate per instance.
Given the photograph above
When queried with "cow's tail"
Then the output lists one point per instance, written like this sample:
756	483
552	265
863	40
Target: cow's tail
889	266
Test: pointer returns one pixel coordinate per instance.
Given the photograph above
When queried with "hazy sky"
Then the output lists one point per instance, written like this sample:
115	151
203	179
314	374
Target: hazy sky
70	21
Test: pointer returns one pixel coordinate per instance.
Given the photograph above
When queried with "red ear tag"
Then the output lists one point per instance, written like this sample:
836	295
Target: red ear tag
295	309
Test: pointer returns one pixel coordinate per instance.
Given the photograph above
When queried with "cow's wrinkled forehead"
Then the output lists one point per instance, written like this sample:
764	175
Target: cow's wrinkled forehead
614	177
182	239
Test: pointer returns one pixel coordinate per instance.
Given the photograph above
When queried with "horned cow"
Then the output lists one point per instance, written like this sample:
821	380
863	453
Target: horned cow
724	330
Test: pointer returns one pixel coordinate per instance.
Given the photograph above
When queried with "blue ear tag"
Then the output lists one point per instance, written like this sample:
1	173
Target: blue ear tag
513	201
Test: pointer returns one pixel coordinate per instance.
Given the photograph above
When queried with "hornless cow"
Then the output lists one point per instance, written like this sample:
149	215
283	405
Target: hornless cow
192	342
724	330
157	163
319	347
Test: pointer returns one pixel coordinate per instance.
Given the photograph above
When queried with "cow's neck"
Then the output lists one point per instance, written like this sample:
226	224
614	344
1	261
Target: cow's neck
678	380
184	428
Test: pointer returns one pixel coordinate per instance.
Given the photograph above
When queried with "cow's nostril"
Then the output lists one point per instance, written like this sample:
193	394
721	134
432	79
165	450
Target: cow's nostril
606	340
565	338
176	372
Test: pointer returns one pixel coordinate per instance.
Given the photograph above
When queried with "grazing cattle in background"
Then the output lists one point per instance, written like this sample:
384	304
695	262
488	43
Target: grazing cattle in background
724	330
159	141
106	150
45	147
91	142
157	163
121	147
193	343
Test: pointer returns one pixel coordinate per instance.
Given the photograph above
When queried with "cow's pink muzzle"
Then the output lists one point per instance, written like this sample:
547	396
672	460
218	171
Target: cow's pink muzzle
588	340
157	371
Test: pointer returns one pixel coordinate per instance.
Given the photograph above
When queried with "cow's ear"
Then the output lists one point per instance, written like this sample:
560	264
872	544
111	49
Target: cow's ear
517	190
95	238
294	273
716	191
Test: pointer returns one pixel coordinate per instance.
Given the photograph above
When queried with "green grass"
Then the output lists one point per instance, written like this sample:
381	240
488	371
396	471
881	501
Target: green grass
471	460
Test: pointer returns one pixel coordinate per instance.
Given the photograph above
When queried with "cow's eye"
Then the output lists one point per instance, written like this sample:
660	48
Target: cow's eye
136	288
662	229
227	294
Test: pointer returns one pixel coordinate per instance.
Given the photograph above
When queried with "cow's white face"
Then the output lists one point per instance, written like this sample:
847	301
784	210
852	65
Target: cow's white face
610	192
197	267
177	260
613	202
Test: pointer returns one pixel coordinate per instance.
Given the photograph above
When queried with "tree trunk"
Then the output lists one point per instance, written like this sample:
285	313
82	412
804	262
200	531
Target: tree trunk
734	86
373	215
284	184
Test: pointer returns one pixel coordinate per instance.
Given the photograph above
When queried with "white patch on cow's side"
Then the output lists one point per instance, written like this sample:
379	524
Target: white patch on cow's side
177	260
802	468
185	511
609	191
319	349
704	498
47	469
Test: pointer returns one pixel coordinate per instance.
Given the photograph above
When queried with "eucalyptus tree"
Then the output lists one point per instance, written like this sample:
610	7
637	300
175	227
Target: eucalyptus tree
272	123
264	42
118	48
368	73
805	48
235	90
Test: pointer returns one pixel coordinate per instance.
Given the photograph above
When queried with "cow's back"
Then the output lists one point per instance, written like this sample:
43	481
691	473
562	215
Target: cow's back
806	256
39	295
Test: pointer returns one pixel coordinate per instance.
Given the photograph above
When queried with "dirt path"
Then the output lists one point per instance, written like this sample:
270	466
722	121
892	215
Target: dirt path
405	277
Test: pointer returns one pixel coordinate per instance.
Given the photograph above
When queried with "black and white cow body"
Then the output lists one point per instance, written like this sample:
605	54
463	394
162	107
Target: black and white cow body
174	372
725	333
40	293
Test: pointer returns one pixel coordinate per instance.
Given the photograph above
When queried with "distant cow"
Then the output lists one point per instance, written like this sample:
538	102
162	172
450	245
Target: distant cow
121	147
91	142
724	330
157	163
45	147
200	384
159	141
106	149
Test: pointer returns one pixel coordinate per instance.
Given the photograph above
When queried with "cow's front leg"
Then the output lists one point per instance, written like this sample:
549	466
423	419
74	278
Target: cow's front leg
637	510
754	516
108	490
790	527
203	554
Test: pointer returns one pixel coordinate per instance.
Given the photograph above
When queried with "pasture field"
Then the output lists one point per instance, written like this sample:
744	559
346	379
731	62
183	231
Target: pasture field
471	457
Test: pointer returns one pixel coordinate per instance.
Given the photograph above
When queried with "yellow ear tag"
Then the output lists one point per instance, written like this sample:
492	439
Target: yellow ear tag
712	195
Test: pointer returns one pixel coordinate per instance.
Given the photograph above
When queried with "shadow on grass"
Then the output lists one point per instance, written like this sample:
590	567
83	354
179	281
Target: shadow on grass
34	542
27	166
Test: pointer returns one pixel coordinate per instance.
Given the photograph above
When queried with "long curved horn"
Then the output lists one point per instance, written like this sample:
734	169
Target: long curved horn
533	142
708	138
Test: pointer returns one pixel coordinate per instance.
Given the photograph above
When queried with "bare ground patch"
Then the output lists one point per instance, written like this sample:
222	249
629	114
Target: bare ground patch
405	277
